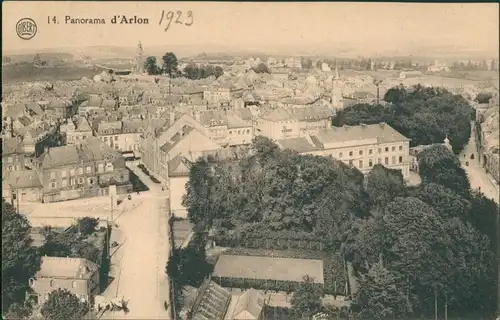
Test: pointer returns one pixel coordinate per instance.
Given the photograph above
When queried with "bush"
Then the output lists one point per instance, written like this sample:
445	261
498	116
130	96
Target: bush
87	225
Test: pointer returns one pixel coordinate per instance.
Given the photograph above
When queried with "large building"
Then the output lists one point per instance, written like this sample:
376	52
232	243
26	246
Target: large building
78	171
77	275
361	146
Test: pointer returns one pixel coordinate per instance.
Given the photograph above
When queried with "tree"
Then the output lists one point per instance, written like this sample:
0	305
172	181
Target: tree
306	63
170	63
483	97
439	165
446	202
383	185
63	305
87	225
261	68
151	66
20	260
188	265
306	299
379	296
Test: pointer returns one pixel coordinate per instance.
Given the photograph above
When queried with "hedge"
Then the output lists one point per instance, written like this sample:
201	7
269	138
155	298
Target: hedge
259	284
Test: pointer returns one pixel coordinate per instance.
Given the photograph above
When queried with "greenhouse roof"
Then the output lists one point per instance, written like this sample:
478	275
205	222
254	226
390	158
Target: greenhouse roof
268	268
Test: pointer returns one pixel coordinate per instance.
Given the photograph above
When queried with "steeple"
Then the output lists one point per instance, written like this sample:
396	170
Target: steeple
139	59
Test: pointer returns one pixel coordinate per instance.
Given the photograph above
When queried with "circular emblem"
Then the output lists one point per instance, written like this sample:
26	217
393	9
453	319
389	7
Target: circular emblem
26	28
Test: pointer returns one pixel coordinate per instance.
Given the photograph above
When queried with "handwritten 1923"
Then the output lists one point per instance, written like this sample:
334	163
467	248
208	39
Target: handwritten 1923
178	17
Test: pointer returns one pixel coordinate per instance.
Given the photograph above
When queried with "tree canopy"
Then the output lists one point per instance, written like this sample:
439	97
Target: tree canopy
63	305
426	115
195	72
306	299
20	260
261	68
170	63
151	66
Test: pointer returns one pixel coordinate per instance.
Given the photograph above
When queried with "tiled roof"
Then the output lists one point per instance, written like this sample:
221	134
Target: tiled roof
24	179
251	301
298	144
73	268
382	132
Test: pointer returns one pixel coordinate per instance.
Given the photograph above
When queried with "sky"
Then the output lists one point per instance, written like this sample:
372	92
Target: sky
370	27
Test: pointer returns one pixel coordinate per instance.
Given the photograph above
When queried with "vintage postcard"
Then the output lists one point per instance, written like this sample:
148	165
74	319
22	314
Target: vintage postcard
270	160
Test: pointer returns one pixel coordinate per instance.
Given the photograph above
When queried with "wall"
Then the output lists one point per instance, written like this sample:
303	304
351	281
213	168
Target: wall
43	287
177	189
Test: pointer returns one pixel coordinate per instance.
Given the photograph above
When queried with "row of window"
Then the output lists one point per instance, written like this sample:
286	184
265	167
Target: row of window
88	169
370	151
72	182
370	162
240	131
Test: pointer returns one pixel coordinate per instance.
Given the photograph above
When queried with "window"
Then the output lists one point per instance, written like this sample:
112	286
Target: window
100	167
72	172
370	151
350	162
80	170
52	175
73	284
386	160
360	152
386	149
400	148
64	183
370	163
53	185
400	159
80	180
248	131
63	174
379	150
116	138
9	159
360	164
379	161
239	131
89	169
393	160
350	153
341	155
10	168
230	132
393	148
90	181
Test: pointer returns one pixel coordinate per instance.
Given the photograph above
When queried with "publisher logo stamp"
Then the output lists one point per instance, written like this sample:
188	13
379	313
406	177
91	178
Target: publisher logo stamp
26	28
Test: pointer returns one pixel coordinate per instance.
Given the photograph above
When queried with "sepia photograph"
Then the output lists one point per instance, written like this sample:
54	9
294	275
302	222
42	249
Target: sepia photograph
250	160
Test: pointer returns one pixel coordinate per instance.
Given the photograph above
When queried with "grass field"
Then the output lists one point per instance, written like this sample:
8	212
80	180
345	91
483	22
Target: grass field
28	72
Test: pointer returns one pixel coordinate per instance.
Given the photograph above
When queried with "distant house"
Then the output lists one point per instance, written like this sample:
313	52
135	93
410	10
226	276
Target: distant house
410	74
25	186
77	275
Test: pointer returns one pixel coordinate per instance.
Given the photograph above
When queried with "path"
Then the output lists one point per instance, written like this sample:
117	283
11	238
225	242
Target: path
138	266
477	174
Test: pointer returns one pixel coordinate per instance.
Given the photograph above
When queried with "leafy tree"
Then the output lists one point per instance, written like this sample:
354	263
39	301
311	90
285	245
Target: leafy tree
426	115
87	225
380	296
306	63
194	72
63	305
188	265
151	66
439	165
483	97
20	260
261	68
383	185
170	63
446	202
306	299
19	311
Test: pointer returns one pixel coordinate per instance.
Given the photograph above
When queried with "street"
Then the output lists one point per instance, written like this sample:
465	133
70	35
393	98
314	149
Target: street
477	174
138	266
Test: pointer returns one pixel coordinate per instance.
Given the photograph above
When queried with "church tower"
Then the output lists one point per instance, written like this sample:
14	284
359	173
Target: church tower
336	95
139	59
